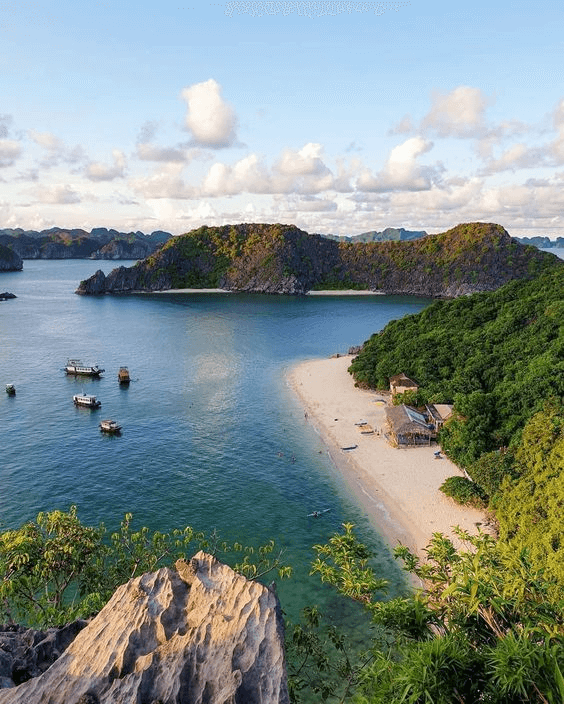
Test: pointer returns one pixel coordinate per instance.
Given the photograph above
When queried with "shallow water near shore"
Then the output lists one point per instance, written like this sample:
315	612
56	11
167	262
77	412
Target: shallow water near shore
213	437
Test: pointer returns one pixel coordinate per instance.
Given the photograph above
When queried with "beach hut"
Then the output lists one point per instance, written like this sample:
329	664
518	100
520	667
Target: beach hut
400	383
407	427
437	413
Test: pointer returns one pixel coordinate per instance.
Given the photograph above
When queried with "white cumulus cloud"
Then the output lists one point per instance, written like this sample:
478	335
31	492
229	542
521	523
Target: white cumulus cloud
402	170
459	113
56	195
97	171
10	150
210	119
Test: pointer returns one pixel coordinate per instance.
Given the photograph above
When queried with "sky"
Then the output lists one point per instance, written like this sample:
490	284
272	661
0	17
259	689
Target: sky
337	117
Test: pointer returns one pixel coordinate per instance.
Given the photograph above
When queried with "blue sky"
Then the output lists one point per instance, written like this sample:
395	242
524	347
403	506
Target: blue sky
338	117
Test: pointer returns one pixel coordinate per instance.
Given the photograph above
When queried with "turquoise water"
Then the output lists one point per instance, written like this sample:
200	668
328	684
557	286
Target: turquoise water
205	418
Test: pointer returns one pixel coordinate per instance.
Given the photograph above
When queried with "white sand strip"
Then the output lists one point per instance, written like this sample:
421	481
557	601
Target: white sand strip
398	488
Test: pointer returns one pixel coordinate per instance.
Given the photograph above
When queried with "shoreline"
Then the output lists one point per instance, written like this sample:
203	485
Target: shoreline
339	292
398	489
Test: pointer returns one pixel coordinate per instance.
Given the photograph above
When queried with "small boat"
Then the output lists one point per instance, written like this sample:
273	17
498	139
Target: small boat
86	401
110	426
316	514
350	447
76	367
10	389
123	375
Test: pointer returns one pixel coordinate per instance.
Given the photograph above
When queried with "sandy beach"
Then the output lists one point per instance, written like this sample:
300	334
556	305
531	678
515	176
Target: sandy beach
398	488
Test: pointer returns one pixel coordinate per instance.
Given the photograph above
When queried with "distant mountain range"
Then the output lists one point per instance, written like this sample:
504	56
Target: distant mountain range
282	259
100	243
390	234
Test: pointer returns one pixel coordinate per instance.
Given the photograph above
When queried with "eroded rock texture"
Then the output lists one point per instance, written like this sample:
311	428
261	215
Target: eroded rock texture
199	635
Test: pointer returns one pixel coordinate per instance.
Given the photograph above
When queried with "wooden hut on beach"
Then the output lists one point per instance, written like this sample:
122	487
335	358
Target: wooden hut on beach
407	427
400	383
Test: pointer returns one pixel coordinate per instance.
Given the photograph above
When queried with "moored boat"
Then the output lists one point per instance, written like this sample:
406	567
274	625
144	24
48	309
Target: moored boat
123	375
75	366
110	426
86	400
10	389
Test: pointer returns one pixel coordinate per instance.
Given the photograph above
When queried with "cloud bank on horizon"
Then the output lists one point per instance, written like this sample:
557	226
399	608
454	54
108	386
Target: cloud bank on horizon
339	117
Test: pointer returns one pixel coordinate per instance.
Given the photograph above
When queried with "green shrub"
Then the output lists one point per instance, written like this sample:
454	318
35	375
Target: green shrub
464	492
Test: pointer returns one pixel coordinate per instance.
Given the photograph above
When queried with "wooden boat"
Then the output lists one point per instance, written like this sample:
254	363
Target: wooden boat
123	375
110	426
10	389
76	367
86	400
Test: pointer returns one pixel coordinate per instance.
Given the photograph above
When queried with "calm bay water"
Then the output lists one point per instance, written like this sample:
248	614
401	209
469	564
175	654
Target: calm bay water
205	418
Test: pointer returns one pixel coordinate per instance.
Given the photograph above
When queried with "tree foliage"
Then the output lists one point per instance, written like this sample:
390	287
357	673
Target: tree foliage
530	508
488	626
55	569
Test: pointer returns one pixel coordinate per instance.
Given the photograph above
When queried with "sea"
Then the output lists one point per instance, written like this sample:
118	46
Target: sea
213	437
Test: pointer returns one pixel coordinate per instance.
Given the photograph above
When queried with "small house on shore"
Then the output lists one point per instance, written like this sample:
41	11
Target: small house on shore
407	427
400	383
437	413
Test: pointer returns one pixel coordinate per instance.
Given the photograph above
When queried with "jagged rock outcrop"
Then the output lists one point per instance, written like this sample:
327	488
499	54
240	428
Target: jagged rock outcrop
281	259
9	260
26	653
199	635
96	284
6	295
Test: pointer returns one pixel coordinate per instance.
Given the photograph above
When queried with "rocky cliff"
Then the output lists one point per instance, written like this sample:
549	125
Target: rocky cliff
282	259
9	260
200	634
100	243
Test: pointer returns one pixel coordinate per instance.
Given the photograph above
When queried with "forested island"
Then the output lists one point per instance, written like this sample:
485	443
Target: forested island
99	243
282	259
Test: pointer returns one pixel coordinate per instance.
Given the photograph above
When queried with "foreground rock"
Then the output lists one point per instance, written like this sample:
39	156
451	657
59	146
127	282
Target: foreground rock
199	635
281	259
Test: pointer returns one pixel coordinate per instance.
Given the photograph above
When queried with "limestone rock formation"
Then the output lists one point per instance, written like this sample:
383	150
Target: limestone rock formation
100	243
199	635
282	259
96	284
9	260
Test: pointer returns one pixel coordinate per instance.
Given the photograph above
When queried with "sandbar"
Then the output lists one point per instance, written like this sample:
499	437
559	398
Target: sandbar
398	489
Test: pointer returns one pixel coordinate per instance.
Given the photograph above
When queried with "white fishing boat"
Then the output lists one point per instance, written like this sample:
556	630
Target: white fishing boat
110	426
76	367
86	400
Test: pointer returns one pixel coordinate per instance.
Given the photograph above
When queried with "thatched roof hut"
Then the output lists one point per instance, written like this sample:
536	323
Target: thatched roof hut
400	383
406	426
